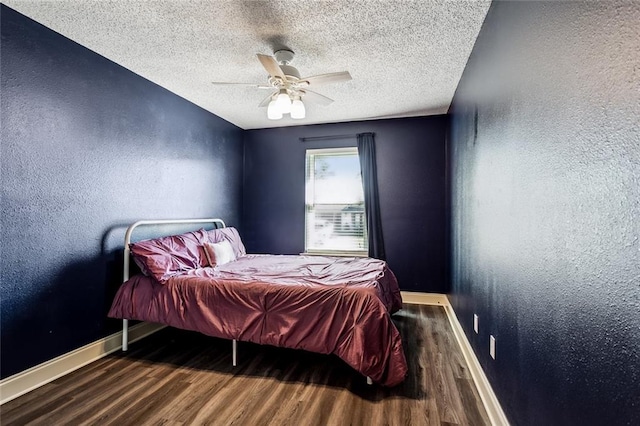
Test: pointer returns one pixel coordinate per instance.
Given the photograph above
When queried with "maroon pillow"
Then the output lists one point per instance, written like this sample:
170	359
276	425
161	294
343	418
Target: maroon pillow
163	257
229	234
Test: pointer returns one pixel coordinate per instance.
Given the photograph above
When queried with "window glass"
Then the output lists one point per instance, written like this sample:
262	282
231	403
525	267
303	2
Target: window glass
335	220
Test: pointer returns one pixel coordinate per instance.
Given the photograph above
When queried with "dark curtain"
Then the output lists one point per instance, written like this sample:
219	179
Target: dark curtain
367	155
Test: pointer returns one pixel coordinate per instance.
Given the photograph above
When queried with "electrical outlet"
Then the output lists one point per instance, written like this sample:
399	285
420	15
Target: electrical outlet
475	323
492	346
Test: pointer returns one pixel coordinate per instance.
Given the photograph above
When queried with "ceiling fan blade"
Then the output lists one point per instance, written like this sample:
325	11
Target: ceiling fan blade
333	77
257	86
271	65
312	96
265	101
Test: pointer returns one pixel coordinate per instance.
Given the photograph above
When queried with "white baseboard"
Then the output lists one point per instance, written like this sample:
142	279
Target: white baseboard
27	380
417	298
489	399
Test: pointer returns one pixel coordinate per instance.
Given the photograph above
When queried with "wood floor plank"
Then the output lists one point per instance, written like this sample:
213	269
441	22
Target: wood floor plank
203	388
176	377
107	388
474	410
152	398
104	409
449	405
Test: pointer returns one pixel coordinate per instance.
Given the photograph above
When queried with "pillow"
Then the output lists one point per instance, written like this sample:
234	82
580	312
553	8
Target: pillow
228	234
161	258
219	253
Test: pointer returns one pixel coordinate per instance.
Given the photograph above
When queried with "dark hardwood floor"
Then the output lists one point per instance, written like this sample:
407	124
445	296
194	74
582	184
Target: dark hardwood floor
176	377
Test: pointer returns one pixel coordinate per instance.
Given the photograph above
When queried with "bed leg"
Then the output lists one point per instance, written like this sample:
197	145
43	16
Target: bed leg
125	335
369	381
234	355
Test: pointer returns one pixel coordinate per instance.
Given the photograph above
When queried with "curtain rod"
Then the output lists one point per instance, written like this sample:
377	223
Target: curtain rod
324	138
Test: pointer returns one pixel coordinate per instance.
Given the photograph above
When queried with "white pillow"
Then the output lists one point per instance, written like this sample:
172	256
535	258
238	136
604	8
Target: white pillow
219	253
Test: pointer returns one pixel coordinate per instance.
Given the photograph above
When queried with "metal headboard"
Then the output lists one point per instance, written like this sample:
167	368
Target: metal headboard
127	254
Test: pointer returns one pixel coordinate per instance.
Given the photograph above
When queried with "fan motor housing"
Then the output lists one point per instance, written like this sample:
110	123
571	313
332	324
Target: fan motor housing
284	56
290	71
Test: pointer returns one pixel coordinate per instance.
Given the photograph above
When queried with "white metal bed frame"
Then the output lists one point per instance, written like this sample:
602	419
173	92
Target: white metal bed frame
127	263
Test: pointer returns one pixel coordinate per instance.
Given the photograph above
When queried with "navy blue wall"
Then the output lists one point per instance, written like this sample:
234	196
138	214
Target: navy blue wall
87	148
546	209
411	171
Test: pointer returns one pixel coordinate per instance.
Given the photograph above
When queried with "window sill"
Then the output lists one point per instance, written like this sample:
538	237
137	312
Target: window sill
335	253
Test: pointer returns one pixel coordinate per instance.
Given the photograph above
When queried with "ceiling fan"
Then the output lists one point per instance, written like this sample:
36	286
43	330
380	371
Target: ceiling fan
288	89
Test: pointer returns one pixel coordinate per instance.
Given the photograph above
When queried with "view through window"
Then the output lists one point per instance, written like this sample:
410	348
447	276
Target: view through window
335	220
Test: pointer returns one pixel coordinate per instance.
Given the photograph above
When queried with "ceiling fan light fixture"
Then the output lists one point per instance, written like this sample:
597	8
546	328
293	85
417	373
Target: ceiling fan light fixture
297	109
273	112
288	88
283	102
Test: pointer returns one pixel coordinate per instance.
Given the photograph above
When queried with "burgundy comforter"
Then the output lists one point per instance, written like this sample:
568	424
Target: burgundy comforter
320	304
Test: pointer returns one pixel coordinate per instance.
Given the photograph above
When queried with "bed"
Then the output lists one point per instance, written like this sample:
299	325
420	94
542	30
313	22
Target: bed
328	305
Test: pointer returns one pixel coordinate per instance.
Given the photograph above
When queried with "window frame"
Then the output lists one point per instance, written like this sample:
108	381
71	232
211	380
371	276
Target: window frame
351	150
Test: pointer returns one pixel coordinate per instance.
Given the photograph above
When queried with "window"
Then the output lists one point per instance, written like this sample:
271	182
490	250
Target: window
335	221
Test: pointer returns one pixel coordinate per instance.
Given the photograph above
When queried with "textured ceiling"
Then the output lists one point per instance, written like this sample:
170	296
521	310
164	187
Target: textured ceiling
406	58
